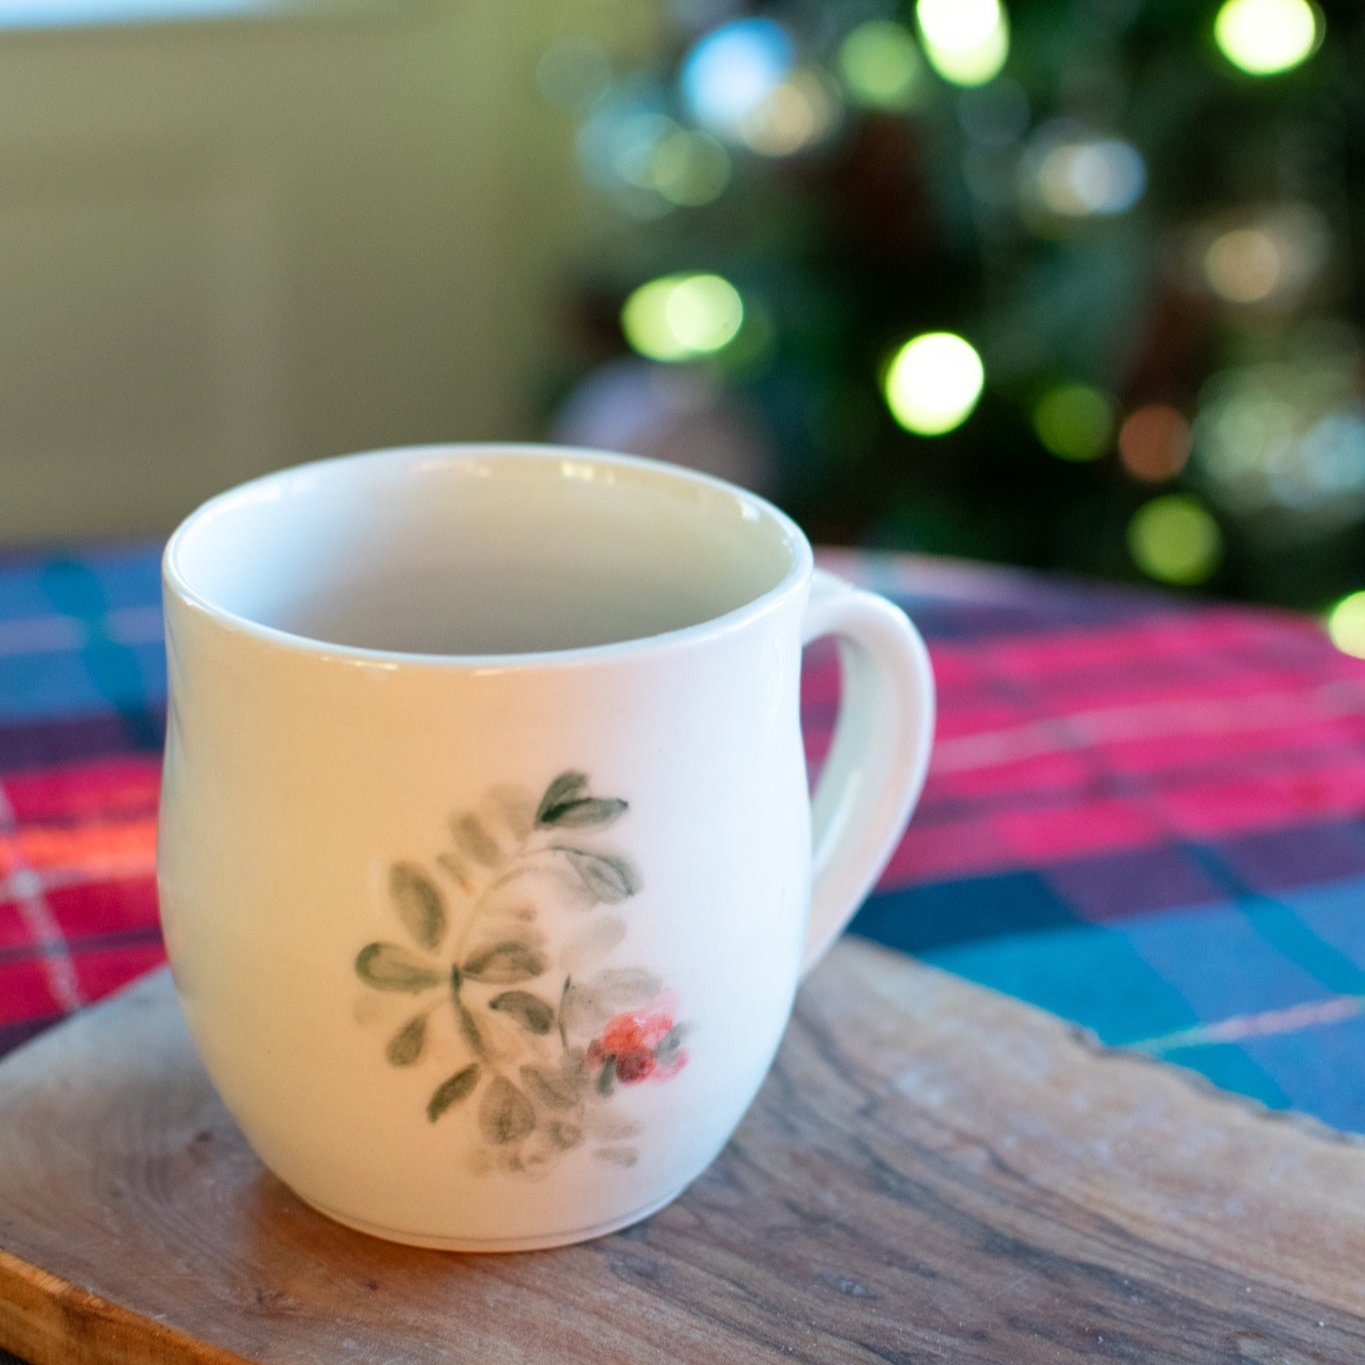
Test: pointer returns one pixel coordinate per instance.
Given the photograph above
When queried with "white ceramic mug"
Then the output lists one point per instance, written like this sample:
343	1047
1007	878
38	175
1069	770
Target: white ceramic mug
485	856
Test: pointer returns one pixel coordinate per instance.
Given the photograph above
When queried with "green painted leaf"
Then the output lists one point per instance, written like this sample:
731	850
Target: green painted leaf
391	967
463	1017
505	1114
505	963
469	1028
567	787
618	1156
418	903
405	1047
530	1011
563	1135
552	1091
475	842
609	878
606	1078
591	810
669	1044
460	1086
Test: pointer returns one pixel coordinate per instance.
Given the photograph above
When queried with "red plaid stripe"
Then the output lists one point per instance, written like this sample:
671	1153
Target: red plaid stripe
1194	724
78	914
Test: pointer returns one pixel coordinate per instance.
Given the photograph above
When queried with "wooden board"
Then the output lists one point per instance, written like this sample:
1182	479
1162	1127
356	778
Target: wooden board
932	1173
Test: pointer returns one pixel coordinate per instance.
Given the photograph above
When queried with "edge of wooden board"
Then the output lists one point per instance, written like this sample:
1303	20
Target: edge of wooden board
49	1321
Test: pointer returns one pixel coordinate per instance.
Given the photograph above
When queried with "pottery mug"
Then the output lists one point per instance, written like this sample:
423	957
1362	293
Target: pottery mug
485	859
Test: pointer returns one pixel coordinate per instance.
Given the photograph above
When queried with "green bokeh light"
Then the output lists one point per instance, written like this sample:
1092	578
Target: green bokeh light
967	41
682	317
1175	539
881	67
1346	625
933	383
1265	37
1074	421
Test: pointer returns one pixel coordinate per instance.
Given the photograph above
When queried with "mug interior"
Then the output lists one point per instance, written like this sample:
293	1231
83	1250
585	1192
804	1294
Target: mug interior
482	550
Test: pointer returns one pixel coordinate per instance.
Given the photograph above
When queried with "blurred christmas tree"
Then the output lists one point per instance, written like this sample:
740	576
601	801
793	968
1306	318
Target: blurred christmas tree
1074	284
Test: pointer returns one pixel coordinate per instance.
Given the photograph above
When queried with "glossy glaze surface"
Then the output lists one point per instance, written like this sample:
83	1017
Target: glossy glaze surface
496	948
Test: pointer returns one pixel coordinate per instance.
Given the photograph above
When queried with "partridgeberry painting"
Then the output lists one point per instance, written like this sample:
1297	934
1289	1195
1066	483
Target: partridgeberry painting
534	1038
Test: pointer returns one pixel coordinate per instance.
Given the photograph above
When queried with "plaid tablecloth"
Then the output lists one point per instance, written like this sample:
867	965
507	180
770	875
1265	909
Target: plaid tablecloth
1146	814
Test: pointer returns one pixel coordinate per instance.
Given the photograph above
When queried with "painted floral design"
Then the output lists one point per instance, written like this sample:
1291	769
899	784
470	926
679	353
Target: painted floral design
634	1047
532	1041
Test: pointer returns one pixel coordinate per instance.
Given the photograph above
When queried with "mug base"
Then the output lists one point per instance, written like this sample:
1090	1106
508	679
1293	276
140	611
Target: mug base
542	1242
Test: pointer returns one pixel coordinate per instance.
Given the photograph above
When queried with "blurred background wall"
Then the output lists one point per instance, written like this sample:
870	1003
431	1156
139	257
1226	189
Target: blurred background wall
238	242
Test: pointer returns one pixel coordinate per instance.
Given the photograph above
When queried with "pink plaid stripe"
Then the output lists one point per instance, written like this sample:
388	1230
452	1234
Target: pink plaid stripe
1075	743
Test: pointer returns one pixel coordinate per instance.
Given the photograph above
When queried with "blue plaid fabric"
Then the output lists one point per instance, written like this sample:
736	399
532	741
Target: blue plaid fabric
1145	814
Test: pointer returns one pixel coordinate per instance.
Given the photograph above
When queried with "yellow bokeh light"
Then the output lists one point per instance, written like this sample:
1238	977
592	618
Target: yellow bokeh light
881	67
1346	625
682	317
1175	539
1265	37
1074	422
933	383
967	41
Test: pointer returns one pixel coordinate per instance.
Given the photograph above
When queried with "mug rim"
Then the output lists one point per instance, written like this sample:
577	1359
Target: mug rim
801	560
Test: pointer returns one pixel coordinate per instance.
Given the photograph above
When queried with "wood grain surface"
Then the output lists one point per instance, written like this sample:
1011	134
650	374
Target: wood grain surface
932	1173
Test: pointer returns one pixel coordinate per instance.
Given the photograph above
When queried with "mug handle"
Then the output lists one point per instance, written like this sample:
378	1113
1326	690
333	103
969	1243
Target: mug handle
880	755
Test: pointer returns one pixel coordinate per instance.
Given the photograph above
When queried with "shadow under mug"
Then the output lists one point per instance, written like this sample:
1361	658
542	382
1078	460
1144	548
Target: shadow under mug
486	860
